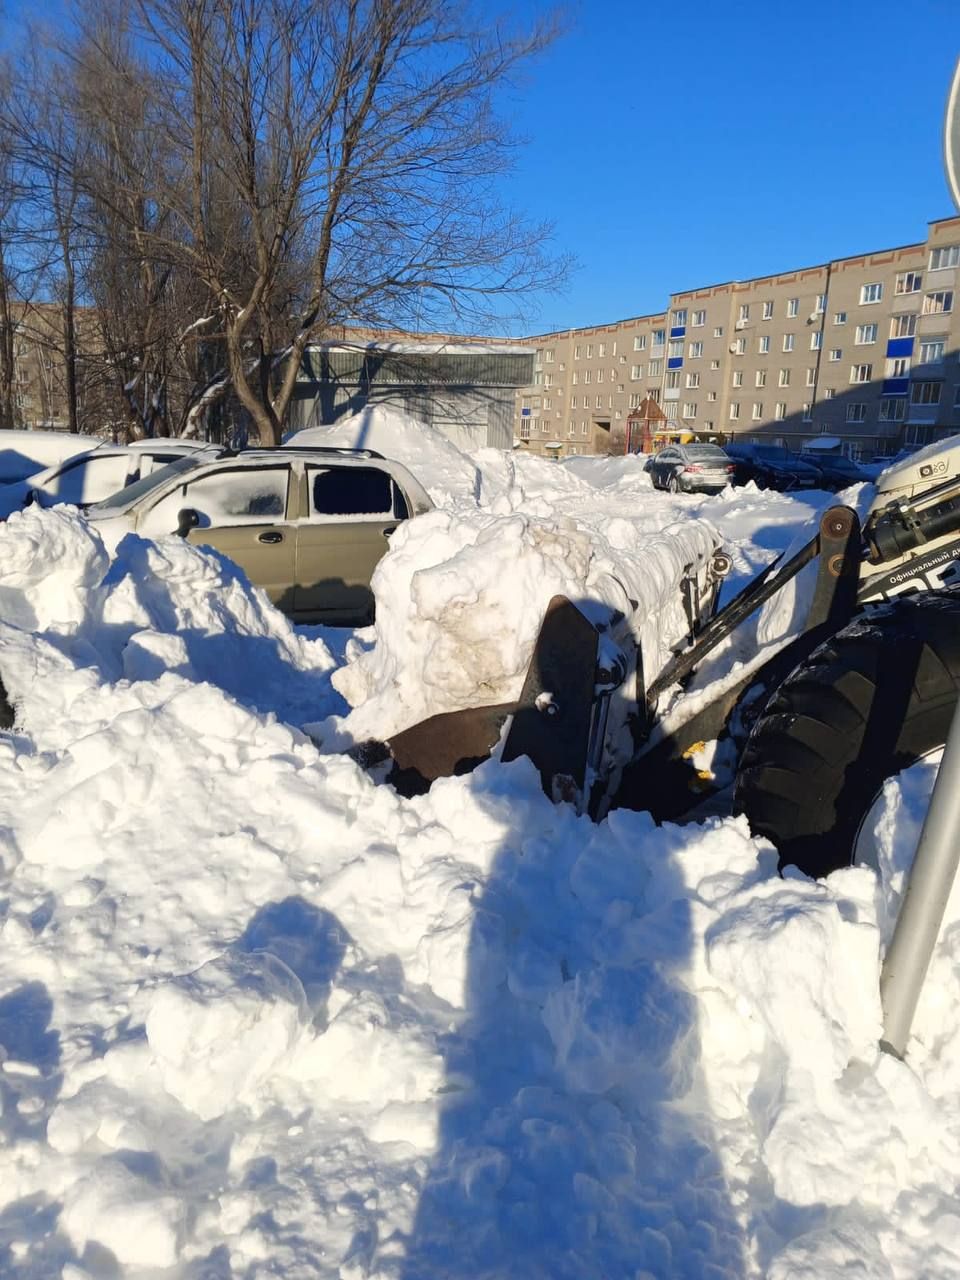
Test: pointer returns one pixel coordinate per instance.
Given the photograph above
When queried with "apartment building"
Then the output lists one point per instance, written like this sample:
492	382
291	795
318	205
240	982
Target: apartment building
865	350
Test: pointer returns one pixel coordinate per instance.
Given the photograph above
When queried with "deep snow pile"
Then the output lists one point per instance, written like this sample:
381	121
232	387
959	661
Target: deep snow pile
261	1016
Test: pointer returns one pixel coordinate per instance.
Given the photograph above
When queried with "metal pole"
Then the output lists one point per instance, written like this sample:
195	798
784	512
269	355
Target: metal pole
928	887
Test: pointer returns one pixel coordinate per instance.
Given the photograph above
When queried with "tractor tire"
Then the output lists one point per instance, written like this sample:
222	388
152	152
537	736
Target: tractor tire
866	704
673	485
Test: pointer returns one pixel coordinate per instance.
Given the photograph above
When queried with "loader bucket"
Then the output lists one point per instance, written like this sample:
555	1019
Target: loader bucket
549	722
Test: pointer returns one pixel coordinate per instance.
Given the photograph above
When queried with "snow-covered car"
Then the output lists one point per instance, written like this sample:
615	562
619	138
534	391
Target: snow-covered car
86	478
309	526
23	453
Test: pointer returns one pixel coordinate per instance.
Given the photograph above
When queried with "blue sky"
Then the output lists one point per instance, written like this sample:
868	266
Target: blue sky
675	145
683	144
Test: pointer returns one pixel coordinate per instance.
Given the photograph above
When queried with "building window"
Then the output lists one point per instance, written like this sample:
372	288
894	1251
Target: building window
675	348
908	282
602	349
743	315
821	304
870	293
680	317
693	380
757	412
861	372
598	404
525	429
698	319
640	342
711	396
938	304
903	326
659	337
548	356
576	353
738	377
587	377
816	340
689	409
947	255
768	310
866	333
840	317
780	412
599	375
718	331
856	413
573	402
835	353
574	378
926	393
788	342
898	368
589	350
784	379
636	371
893	409
696	350
586	402
654	368
673	379
740	346
761	378
806	413
931	350
793	308
829	393
764	344
714	364
635	399
811	377
734	411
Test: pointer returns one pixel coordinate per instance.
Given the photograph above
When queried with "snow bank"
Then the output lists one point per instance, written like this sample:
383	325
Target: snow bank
261	1016
438	464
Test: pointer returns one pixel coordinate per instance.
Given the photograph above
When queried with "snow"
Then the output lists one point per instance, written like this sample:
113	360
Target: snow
260	1015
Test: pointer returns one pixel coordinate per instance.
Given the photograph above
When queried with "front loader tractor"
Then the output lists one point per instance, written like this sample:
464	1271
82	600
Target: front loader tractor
862	685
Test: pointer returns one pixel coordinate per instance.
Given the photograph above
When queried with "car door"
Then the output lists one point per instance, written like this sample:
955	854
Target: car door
664	466
349	514
242	512
87	479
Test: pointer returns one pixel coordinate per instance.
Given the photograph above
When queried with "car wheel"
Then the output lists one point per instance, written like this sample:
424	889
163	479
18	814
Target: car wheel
864	706
673	485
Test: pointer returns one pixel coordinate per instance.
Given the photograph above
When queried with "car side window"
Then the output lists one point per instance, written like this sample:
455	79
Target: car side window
90	479
243	495
354	493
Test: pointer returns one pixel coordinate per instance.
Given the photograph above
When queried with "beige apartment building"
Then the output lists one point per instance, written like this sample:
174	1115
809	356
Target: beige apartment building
863	350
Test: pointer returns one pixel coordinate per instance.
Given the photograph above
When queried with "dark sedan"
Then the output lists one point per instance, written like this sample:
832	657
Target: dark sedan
838	472
772	466
689	468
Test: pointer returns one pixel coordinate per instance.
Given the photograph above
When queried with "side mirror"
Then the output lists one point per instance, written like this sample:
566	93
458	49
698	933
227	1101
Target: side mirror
187	519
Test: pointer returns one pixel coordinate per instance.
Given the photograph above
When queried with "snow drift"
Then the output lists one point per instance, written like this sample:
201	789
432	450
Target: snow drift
260	1016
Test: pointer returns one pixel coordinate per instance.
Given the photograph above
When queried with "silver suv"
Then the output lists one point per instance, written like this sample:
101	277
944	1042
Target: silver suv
309	526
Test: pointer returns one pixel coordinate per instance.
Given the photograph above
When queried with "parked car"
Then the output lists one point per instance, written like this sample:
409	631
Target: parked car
90	477
689	468
23	453
838	471
309	526
772	466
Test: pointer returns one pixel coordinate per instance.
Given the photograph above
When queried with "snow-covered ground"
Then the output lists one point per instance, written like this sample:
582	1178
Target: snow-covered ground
260	1016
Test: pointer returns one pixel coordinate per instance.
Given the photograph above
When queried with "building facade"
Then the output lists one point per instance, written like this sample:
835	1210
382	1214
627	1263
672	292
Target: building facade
465	388
864	350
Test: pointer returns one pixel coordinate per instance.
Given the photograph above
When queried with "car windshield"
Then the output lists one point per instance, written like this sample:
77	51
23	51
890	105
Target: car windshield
706	452
124	498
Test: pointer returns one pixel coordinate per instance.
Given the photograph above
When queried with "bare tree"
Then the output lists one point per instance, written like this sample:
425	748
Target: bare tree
314	163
